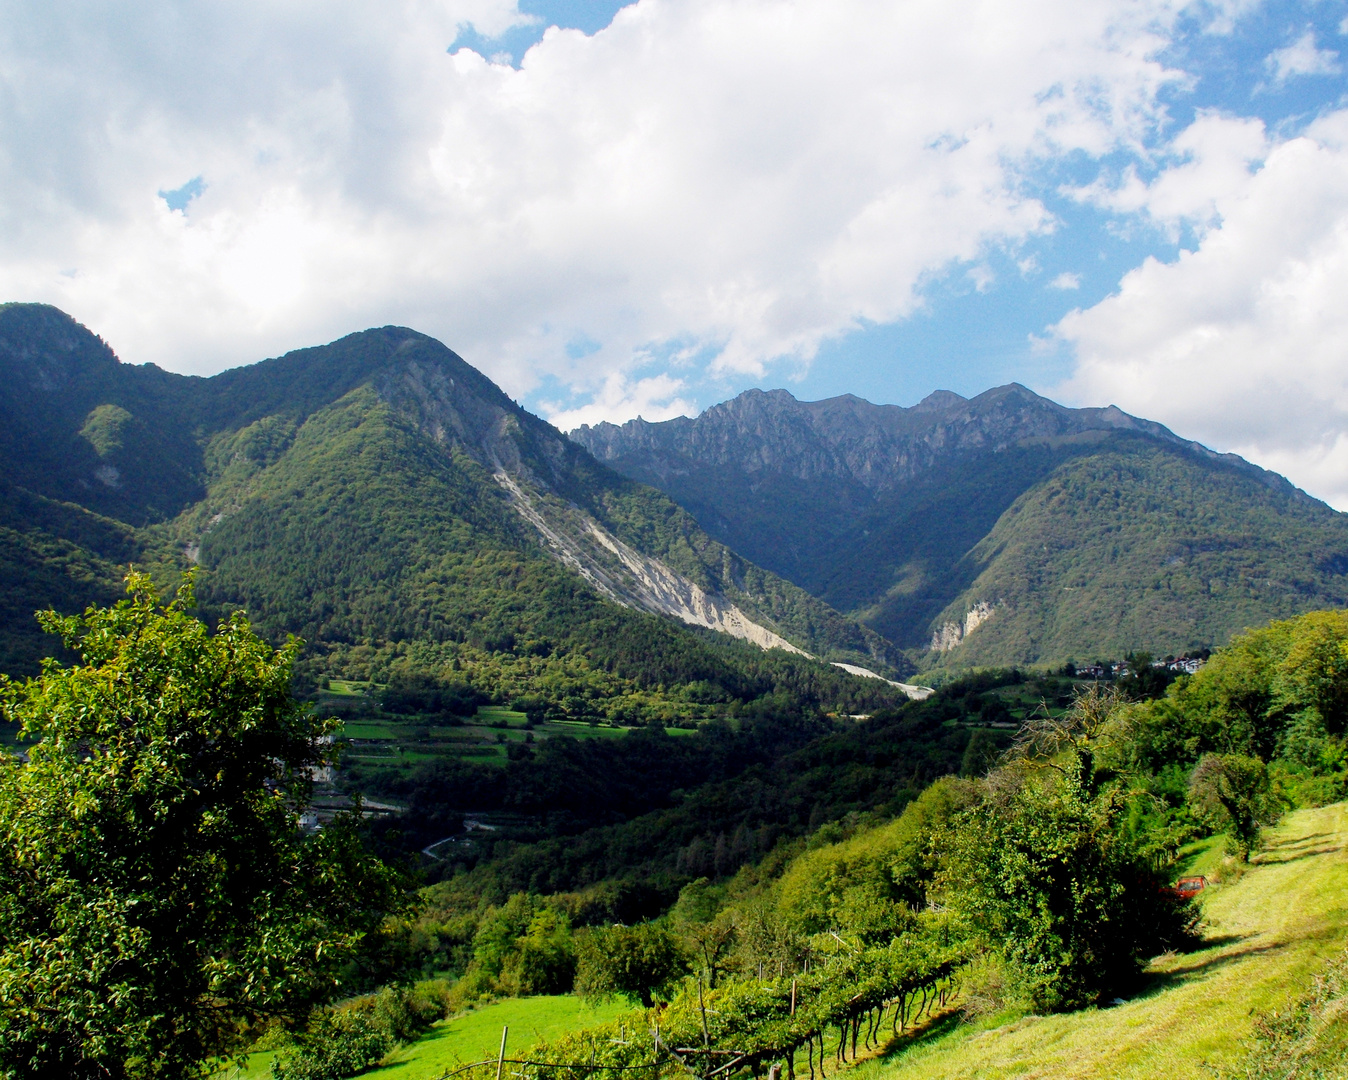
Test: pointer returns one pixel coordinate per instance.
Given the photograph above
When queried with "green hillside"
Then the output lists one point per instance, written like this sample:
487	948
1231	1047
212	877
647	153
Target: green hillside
372	491
1269	934
1139	546
54	554
1088	532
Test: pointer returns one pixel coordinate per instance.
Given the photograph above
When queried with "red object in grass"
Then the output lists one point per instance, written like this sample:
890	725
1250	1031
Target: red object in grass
1186	887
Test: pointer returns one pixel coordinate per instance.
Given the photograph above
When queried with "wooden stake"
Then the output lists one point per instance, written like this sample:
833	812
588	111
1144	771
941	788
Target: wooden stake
500	1058
706	1038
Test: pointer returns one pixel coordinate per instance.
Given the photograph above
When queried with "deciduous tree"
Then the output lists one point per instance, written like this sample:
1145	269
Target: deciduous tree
156	891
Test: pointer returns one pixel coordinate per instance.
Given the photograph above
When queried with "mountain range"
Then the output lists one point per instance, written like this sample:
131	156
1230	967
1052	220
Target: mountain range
367	495
378	495
1002	529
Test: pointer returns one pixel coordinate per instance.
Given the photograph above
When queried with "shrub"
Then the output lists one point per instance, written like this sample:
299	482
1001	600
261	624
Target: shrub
1232	793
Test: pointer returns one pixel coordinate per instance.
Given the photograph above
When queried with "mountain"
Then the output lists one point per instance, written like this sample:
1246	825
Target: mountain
1002	529
368	495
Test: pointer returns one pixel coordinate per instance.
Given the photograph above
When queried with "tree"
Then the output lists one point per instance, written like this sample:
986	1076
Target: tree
1232	792
1045	870
544	959
156	892
635	961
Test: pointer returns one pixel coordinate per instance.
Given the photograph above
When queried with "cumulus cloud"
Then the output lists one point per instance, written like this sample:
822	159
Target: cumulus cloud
1203	167
654	398
1066	280
1243	341
735	179
1302	58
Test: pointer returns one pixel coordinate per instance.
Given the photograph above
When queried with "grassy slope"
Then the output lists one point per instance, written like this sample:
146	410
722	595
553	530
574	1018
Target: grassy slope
476	1036
1268	933
472	1036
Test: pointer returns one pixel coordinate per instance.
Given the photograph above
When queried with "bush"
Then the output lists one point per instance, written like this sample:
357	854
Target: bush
349	1040
343	1044
635	961
1232	793
1046	872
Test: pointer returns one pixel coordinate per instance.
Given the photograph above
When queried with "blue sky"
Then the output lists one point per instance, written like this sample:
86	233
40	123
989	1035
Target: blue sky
968	338
644	209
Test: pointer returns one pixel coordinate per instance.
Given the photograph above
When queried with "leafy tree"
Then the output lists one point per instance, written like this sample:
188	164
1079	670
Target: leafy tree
1232	792
500	929
635	961
156	892
544	959
1045	870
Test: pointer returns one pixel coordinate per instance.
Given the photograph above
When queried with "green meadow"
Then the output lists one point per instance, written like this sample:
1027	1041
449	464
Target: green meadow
1268	932
476	1036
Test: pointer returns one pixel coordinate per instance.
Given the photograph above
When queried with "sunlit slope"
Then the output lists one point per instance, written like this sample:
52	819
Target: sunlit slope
1139	545
1268	934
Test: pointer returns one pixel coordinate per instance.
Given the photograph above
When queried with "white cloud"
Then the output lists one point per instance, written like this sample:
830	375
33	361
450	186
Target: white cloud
1221	16
1302	58
1242	342
733	179
654	398
1066	280
1207	162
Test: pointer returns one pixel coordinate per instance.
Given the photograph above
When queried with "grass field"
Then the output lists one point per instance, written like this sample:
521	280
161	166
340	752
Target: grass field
1268	933
476	1036
379	746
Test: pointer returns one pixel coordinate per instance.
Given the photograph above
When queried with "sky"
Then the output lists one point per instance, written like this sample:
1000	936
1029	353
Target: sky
619	210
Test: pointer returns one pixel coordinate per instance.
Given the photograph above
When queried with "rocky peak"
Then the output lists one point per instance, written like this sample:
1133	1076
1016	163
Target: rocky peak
849	439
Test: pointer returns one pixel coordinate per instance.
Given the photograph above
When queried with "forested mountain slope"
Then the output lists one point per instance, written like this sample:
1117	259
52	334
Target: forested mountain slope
374	490
1001	529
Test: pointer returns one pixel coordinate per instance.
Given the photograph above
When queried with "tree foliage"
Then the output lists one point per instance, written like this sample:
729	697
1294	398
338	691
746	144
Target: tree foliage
1231	793
636	961
155	890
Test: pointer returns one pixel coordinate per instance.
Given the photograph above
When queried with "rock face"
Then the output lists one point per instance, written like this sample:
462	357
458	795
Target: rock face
876	449
952	634
366	477
931	524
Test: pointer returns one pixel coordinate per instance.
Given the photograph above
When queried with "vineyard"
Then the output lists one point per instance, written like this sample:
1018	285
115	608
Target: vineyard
830	1012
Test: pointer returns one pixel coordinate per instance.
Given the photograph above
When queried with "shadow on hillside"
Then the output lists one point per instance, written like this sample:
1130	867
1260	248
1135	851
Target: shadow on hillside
1156	982
1296	848
1274	858
911	1040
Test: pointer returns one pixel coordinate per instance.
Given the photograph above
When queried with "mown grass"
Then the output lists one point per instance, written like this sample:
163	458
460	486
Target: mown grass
476	1036
490	714
472	1036
1268	932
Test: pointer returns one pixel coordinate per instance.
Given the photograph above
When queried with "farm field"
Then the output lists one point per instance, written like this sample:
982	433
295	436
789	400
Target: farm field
377	742
1268	932
476	1036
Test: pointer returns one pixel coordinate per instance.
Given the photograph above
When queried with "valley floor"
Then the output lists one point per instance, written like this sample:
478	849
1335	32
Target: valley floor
1268	933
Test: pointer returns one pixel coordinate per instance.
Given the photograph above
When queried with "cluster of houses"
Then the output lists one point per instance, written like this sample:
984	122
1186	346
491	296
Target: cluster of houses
1180	665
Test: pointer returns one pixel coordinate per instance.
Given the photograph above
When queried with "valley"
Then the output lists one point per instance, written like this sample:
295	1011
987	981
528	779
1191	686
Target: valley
818	704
